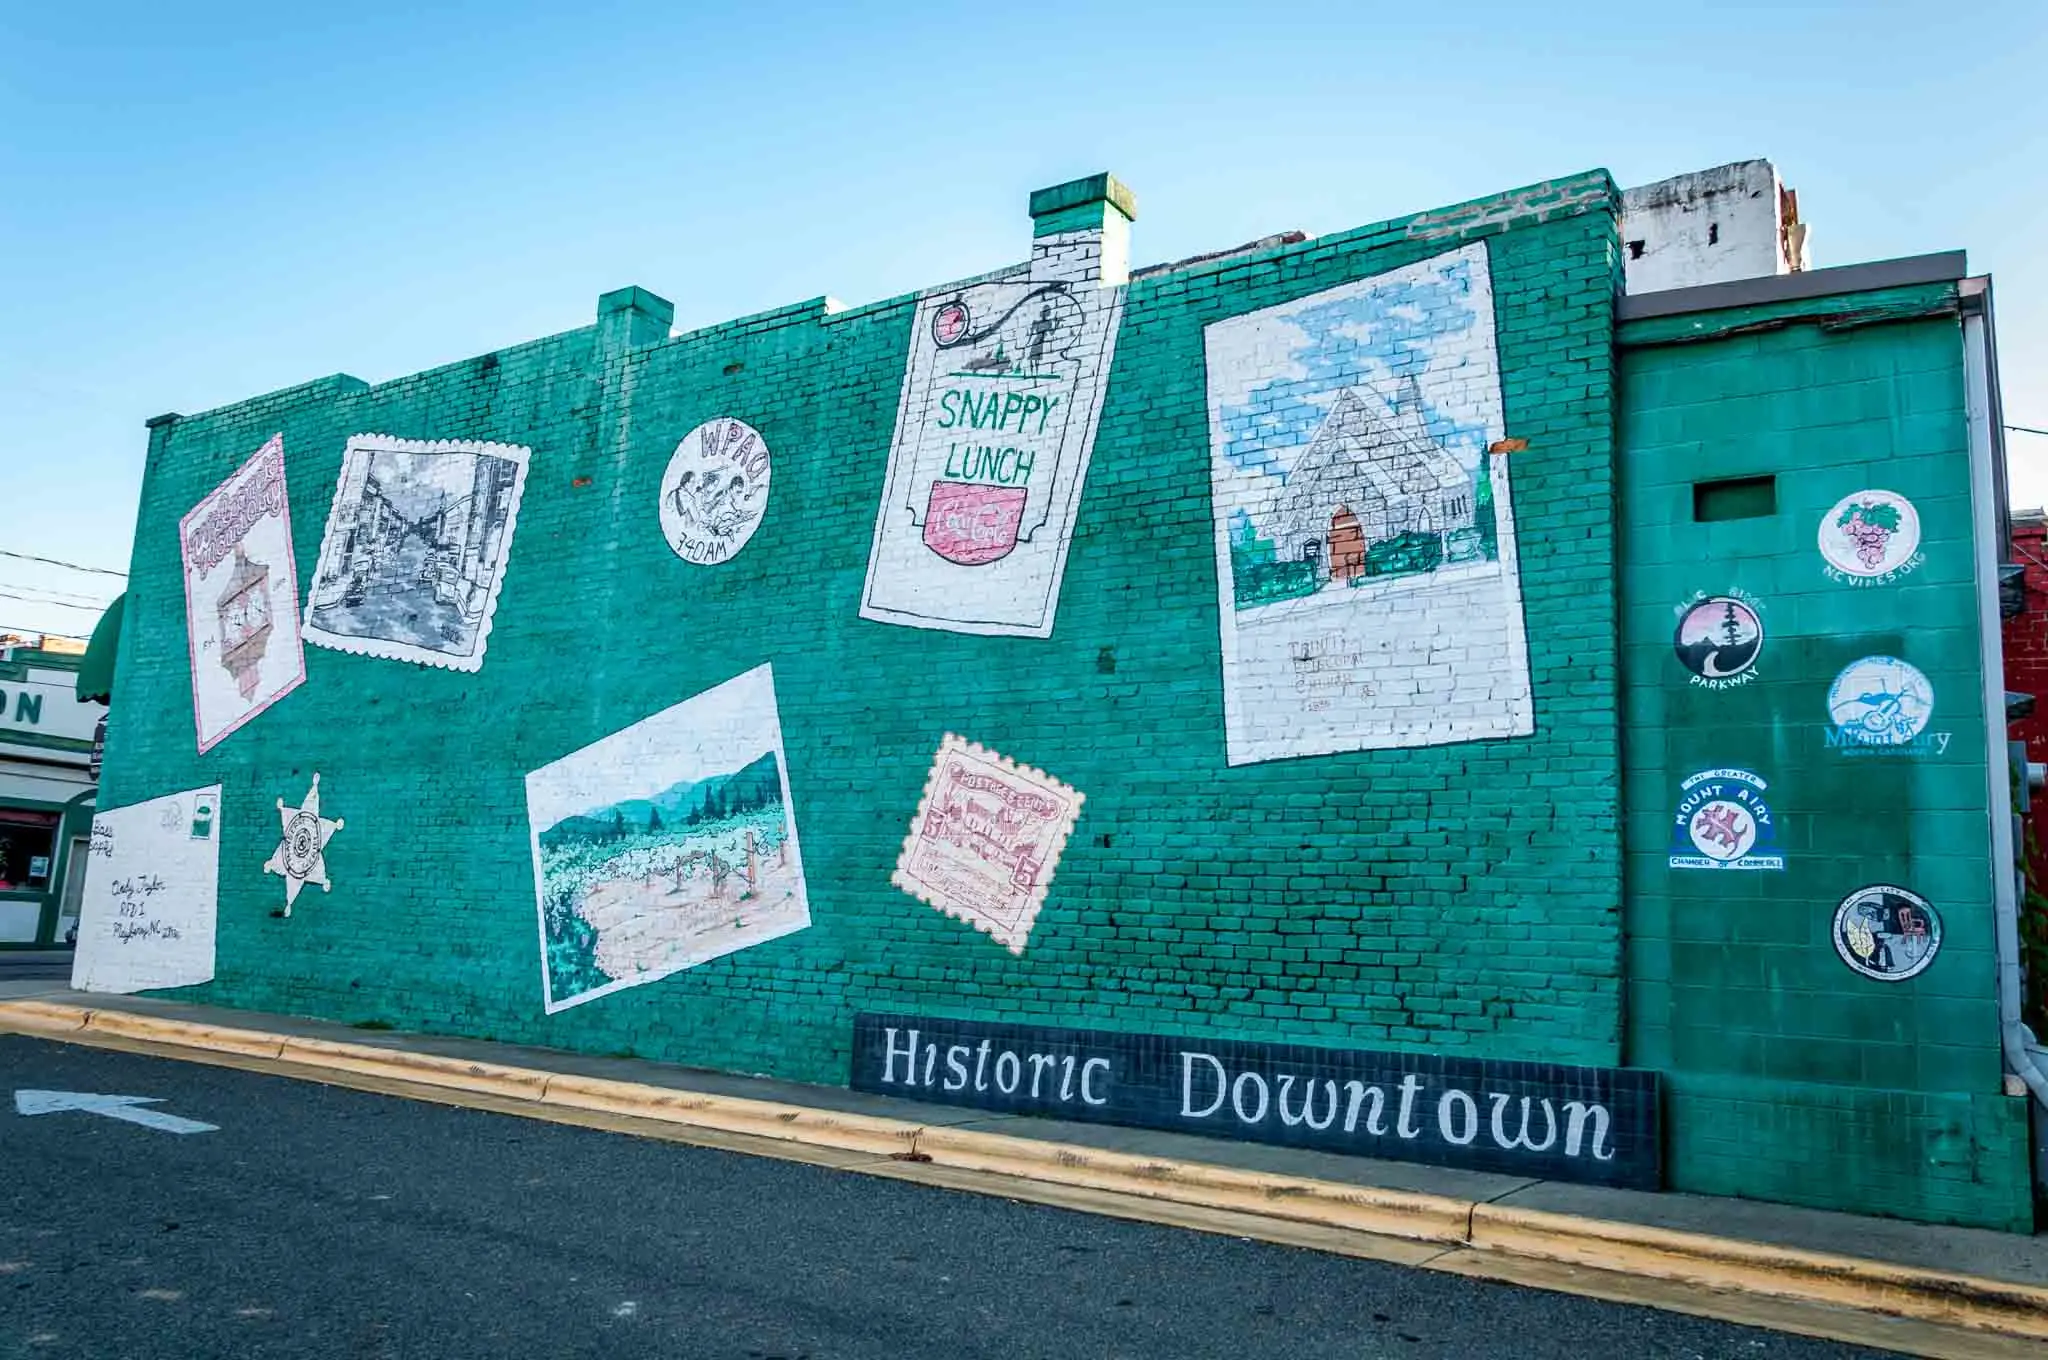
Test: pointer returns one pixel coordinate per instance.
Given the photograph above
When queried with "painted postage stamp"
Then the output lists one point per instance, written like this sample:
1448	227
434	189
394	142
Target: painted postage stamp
414	554
987	837
241	597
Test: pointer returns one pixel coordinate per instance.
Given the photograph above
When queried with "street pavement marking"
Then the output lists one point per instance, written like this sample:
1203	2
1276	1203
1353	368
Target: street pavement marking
126	1108
1828	1321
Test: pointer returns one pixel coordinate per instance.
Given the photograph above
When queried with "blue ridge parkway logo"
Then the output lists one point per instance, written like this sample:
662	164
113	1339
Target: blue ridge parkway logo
1723	822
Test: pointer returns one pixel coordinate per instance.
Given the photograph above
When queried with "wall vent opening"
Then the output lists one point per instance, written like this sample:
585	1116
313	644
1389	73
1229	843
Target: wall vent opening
1734	498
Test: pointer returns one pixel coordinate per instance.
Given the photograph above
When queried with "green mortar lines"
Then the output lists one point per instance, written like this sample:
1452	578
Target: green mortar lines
1778	1058
1464	898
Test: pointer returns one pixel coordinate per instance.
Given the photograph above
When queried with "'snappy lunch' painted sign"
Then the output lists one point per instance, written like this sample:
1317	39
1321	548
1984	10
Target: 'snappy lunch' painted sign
1001	395
1594	1124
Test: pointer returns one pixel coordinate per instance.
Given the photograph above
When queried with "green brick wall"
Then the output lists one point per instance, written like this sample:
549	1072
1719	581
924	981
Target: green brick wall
1460	897
1780	1060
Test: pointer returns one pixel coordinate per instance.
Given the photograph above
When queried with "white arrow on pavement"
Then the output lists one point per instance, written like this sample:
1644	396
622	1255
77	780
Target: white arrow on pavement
113	1107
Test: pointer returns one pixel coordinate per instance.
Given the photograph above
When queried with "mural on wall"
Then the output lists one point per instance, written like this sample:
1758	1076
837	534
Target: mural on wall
715	491
1365	541
241	597
1881	706
152	893
414	554
1870	538
665	844
994	428
301	854
1723	822
986	839
1887	933
1719	638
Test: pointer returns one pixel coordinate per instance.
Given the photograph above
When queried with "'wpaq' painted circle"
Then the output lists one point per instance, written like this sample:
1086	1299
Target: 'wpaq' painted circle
1887	933
1880	701
715	491
1870	533
1719	638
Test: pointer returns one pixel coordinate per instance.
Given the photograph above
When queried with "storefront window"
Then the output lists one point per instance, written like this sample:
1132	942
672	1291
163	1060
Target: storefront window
28	849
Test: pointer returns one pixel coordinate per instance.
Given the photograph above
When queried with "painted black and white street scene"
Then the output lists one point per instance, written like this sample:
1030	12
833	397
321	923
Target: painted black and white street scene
415	549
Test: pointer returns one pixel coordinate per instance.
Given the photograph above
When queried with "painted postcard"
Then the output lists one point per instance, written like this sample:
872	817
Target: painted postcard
241	597
986	839
415	549
994	428
152	894
665	844
1365	537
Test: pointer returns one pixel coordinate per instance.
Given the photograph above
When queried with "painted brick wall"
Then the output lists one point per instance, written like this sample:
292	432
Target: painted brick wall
1779	1058
1461	897
2026	672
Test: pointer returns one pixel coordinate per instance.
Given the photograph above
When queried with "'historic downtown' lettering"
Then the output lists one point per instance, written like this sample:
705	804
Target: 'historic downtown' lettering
1588	1124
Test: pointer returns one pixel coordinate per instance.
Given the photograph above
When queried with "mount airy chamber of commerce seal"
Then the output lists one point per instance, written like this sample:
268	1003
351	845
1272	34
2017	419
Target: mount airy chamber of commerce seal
1723	822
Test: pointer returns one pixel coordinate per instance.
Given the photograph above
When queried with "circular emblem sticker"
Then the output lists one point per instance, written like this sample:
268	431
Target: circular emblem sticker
1724	822
1887	933
715	491
1719	639
1870	535
301	843
1880	701
949	323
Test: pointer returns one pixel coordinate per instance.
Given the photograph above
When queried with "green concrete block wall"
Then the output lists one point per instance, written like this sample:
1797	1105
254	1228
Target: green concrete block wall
1779	1058
1463	898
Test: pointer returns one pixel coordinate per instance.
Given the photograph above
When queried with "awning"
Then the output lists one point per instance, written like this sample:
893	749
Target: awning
96	668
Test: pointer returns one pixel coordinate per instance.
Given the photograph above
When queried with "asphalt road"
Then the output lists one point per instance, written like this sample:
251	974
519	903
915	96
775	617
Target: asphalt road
321	1222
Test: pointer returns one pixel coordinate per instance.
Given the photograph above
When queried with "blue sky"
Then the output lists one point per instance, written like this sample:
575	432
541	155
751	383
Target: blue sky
207	201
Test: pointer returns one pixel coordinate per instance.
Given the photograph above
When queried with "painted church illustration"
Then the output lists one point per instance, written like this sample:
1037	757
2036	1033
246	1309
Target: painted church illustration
1370	474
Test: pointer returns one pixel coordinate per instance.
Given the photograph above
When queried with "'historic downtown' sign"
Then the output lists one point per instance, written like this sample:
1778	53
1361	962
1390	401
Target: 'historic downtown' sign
1592	1124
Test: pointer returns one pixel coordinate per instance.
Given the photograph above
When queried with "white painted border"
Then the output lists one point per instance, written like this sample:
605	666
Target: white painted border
291	593
370	444
1013	939
548	1002
1518	715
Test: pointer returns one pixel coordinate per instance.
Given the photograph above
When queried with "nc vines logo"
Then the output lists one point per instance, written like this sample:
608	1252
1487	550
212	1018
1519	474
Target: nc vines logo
1870	538
1723	822
1881	705
1719	638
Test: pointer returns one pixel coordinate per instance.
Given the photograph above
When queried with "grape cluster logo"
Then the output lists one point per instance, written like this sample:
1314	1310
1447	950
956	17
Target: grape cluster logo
1870	538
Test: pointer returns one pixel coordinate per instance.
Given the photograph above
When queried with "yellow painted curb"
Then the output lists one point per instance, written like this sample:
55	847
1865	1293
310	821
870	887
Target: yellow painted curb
1759	1268
872	1134
1691	1259
397	1064
153	1030
44	1017
1384	1213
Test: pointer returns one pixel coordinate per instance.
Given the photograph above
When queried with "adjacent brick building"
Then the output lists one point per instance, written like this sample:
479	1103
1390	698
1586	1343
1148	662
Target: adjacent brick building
965	656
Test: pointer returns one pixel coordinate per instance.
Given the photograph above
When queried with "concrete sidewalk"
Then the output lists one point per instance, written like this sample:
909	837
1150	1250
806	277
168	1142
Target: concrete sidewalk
1921	1288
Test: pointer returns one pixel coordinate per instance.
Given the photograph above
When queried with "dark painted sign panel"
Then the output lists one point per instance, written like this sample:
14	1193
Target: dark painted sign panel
1593	1124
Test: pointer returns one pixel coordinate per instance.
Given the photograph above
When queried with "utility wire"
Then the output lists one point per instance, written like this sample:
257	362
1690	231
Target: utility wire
53	604
99	601
53	562
2026	429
